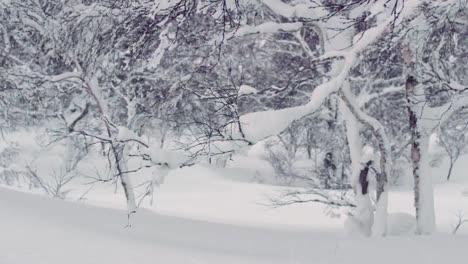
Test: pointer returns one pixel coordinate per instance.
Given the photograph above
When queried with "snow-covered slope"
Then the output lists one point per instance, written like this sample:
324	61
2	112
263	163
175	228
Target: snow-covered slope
36	229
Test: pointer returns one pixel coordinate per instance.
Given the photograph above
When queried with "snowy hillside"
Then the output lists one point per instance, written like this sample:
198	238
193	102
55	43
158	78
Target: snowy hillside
39	230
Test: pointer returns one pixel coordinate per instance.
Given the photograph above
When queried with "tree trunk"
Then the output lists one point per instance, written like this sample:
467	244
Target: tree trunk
363	181
70	150
119	150
363	217
72	118
450	168
377	129
423	192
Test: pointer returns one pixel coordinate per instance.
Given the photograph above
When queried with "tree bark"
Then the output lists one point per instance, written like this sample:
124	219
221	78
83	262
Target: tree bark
363	179
363	217
122	171
450	168
423	193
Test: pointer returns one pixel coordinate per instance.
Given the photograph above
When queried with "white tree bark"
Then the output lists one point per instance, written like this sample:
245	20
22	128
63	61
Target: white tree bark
423	187
379	227
363	217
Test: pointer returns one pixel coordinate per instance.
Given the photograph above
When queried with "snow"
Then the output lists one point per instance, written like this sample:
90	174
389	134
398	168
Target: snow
379	228
65	76
400	224
246	90
268	27
367	154
260	125
33	24
42	230
203	214
380	224
172	158
157	56
300	10
125	134
360	222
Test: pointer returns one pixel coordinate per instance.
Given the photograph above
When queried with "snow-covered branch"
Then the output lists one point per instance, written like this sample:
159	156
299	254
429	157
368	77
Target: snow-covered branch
268	27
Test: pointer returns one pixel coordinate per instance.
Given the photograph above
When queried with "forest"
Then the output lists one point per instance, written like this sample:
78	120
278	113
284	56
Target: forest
273	124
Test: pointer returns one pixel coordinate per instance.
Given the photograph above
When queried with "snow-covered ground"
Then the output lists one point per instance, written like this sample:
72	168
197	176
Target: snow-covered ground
37	229
203	214
203	217
226	196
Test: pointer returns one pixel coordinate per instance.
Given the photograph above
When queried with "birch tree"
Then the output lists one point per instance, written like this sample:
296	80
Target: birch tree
434	90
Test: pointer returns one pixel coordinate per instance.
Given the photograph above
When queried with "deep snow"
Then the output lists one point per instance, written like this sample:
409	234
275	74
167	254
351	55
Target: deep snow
203	214
36	229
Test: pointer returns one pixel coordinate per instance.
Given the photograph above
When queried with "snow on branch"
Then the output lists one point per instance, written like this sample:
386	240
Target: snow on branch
268	27
290	11
33	24
64	76
260	125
